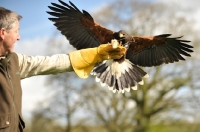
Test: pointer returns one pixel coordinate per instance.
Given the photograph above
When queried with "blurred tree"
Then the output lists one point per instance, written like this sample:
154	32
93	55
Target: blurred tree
59	112
159	94
166	97
111	111
41	123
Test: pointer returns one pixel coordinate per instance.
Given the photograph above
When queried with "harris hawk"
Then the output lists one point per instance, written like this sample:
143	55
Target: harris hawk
123	74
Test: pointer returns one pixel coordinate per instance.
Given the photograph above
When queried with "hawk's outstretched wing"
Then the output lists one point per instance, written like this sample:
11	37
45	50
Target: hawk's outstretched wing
78	27
156	50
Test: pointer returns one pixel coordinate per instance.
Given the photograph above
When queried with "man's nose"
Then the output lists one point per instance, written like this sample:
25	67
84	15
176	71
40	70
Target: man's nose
18	37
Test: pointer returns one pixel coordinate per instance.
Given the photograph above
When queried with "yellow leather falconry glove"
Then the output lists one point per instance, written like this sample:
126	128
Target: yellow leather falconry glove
83	61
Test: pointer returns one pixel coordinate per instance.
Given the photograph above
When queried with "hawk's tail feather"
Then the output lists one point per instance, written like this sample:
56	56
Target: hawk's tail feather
119	76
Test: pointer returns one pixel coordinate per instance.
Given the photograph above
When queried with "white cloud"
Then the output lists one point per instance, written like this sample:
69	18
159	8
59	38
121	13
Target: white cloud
36	46
33	91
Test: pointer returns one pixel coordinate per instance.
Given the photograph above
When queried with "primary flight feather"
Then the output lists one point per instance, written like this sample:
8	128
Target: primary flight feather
120	75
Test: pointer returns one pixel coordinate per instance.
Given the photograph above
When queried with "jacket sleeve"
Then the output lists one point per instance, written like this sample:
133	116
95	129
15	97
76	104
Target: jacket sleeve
43	65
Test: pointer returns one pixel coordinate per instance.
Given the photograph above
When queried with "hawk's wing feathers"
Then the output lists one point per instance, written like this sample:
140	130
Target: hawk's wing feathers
78	27
156	50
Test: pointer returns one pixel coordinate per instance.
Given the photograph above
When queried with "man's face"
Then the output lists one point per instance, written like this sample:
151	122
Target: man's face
11	37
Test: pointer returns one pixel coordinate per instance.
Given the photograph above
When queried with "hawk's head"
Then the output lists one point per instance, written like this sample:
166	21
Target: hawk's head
123	37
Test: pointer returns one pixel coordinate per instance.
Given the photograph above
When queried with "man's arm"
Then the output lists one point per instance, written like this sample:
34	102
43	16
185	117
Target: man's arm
43	65
81	61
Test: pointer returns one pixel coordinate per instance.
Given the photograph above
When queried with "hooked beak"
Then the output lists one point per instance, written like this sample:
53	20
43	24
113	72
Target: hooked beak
121	35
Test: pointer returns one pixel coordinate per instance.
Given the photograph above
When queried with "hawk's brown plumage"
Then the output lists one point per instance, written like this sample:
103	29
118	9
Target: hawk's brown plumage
83	32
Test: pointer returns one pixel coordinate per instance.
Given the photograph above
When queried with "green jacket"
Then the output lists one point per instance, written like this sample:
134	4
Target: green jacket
10	95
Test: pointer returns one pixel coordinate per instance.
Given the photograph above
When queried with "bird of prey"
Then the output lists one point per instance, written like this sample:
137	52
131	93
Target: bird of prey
123	74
